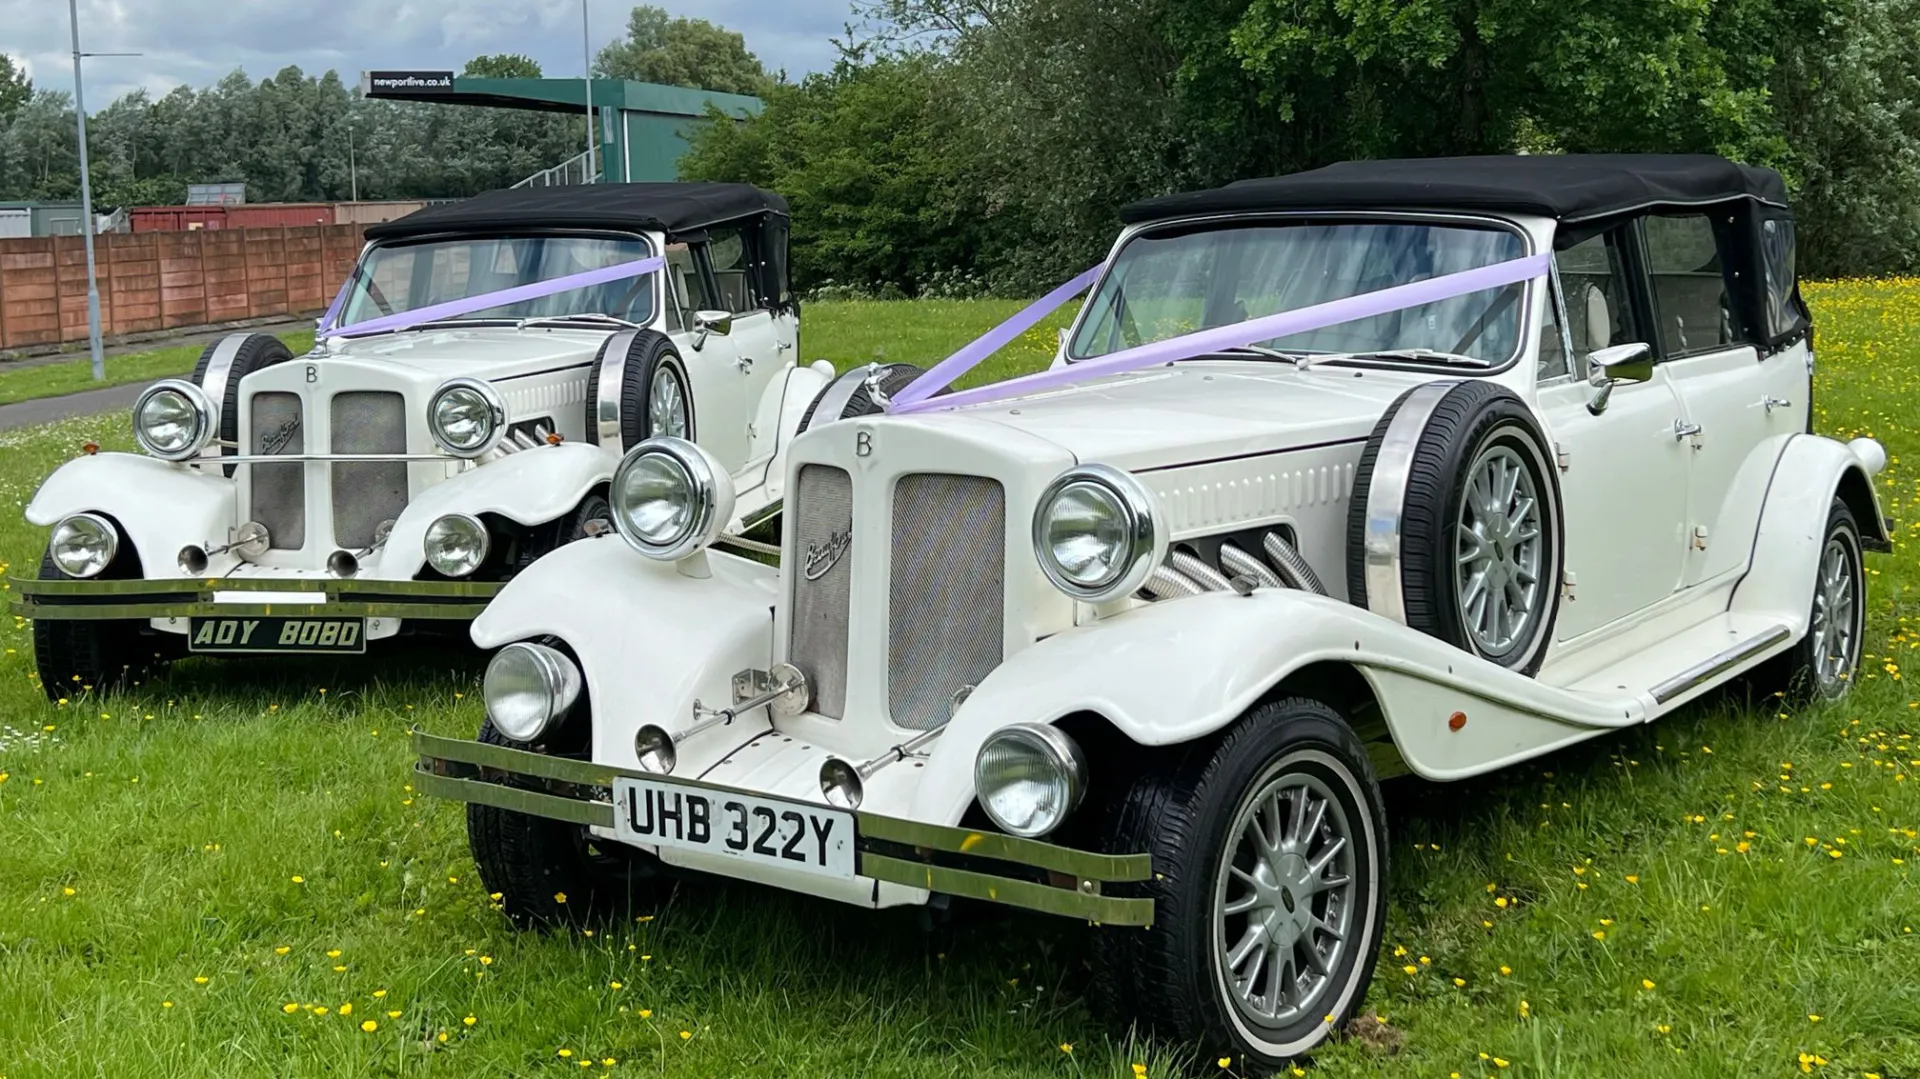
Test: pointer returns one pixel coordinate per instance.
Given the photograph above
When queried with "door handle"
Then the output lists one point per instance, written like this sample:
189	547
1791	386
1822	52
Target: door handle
1682	430
745	364
1770	403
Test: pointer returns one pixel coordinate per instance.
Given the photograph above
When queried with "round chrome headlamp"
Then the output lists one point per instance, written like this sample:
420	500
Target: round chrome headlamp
670	498
1028	777
1096	534
456	544
527	687
84	544
173	420
467	417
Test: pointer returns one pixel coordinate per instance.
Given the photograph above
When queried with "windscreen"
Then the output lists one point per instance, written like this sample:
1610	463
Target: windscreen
395	278
1169	282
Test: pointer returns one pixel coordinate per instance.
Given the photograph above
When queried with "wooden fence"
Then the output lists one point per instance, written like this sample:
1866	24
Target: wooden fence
160	280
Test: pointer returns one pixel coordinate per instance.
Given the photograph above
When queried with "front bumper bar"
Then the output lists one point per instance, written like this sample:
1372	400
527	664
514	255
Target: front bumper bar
193	596
954	861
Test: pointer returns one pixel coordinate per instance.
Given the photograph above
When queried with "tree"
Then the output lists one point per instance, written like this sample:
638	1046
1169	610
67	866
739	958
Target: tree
682	52
506	65
15	88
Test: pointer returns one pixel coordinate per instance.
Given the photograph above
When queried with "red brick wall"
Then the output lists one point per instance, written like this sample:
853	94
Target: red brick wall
160	280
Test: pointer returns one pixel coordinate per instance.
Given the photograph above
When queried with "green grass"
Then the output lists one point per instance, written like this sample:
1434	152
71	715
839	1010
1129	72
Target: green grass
241	822
75	374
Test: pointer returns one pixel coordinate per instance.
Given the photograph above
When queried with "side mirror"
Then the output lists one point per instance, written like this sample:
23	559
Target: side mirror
716	323
1614	365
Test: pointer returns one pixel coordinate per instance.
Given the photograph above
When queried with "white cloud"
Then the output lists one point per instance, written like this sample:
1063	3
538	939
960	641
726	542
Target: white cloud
197	42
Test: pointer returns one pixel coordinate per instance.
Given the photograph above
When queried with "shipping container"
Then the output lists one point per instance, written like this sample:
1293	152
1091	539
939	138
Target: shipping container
56	219
176	218
372	213
15	222
272	214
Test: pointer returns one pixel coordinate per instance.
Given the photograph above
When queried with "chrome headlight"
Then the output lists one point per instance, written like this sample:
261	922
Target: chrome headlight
1096	534
670	498
1028	777
467	417
527	687
456	544
173	420
84	544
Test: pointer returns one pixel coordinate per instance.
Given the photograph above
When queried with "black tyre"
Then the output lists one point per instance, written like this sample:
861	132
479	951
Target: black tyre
1270	860
894	378
1825	661
1479	523
75	656
256	351
545	539
655	396
551	873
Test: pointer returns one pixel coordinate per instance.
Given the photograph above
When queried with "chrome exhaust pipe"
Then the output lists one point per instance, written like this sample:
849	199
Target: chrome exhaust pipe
1292	568
1241	564
1168	583
1206	576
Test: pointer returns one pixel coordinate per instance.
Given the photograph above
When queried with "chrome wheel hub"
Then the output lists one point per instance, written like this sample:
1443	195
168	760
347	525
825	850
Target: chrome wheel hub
667	404
1836	618
1498	552
1284	901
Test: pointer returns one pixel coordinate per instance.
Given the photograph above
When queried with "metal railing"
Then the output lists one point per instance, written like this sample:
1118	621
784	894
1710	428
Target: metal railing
574	170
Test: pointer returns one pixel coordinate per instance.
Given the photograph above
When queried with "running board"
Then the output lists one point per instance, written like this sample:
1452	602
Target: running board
1714	666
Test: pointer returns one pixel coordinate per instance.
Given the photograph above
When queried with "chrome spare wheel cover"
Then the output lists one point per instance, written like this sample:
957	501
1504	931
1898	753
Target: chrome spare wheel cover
1836	617
666	404
1285	903
1498	552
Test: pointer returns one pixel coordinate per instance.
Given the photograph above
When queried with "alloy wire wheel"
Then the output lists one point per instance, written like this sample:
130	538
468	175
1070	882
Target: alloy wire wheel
1497	574
1836	616
1284	898
667	404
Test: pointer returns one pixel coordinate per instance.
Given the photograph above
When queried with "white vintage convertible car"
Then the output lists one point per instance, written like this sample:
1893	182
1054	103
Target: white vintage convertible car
471	393
1397	466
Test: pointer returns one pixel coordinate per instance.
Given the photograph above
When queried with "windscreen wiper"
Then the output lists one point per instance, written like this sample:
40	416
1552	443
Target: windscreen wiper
1418	355
1269	353
588	316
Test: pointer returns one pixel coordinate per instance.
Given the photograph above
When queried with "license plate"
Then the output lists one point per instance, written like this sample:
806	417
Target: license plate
768	831
325	635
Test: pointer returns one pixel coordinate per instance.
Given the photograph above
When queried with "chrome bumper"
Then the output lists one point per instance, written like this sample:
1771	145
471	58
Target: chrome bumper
188	597
953	861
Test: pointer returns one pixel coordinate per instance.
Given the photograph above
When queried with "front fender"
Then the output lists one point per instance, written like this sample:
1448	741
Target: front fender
161	507
530	487
1786	548
1178	670
650	640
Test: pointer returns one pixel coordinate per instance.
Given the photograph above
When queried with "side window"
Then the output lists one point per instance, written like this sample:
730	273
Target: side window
1689	291
686	286
1593	279
729	251
1553	355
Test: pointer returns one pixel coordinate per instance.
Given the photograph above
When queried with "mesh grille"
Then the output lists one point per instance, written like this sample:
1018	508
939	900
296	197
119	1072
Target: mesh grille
279	492
947	602
366	493
823	530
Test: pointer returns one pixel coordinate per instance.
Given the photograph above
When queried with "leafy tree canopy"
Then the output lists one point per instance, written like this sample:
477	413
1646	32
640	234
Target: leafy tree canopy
15	88
506	65
682	52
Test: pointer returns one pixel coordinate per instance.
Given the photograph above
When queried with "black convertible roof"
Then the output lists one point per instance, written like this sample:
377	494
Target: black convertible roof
1570	187
623	207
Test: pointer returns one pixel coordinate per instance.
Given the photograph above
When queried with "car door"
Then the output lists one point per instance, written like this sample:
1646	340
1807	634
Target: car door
756	334
1624	488
720	408
1740	406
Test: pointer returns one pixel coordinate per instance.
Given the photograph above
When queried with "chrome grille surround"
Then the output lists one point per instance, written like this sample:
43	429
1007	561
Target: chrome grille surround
278	493
822	509
365	493
946	603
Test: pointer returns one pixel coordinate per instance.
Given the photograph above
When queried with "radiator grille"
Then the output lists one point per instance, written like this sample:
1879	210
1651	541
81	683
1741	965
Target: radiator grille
947	598
279	492
823	530
365	493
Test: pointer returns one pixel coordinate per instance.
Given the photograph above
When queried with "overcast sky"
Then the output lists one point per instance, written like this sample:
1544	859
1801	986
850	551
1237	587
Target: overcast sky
196	42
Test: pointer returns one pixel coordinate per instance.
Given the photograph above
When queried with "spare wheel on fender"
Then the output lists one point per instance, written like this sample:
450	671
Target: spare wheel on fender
637	388
1455	523
219	370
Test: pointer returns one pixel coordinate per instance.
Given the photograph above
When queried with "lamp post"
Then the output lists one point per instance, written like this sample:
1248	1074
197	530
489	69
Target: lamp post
86	195
586	53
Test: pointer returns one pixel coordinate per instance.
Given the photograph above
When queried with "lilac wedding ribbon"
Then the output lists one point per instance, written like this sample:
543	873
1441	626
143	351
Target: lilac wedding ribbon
1201	343
943	373
470	304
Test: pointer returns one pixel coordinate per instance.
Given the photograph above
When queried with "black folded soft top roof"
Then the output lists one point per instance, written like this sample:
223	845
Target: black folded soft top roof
667	208
1569	187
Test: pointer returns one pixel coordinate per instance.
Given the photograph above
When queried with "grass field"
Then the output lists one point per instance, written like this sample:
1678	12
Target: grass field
75	373
225	873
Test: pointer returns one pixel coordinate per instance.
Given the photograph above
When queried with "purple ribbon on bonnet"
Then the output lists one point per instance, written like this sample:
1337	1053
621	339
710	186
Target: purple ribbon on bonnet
918	396
470	304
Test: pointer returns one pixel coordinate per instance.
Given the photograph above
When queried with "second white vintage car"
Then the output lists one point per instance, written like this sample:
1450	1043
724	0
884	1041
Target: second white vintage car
1398	466
461	415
